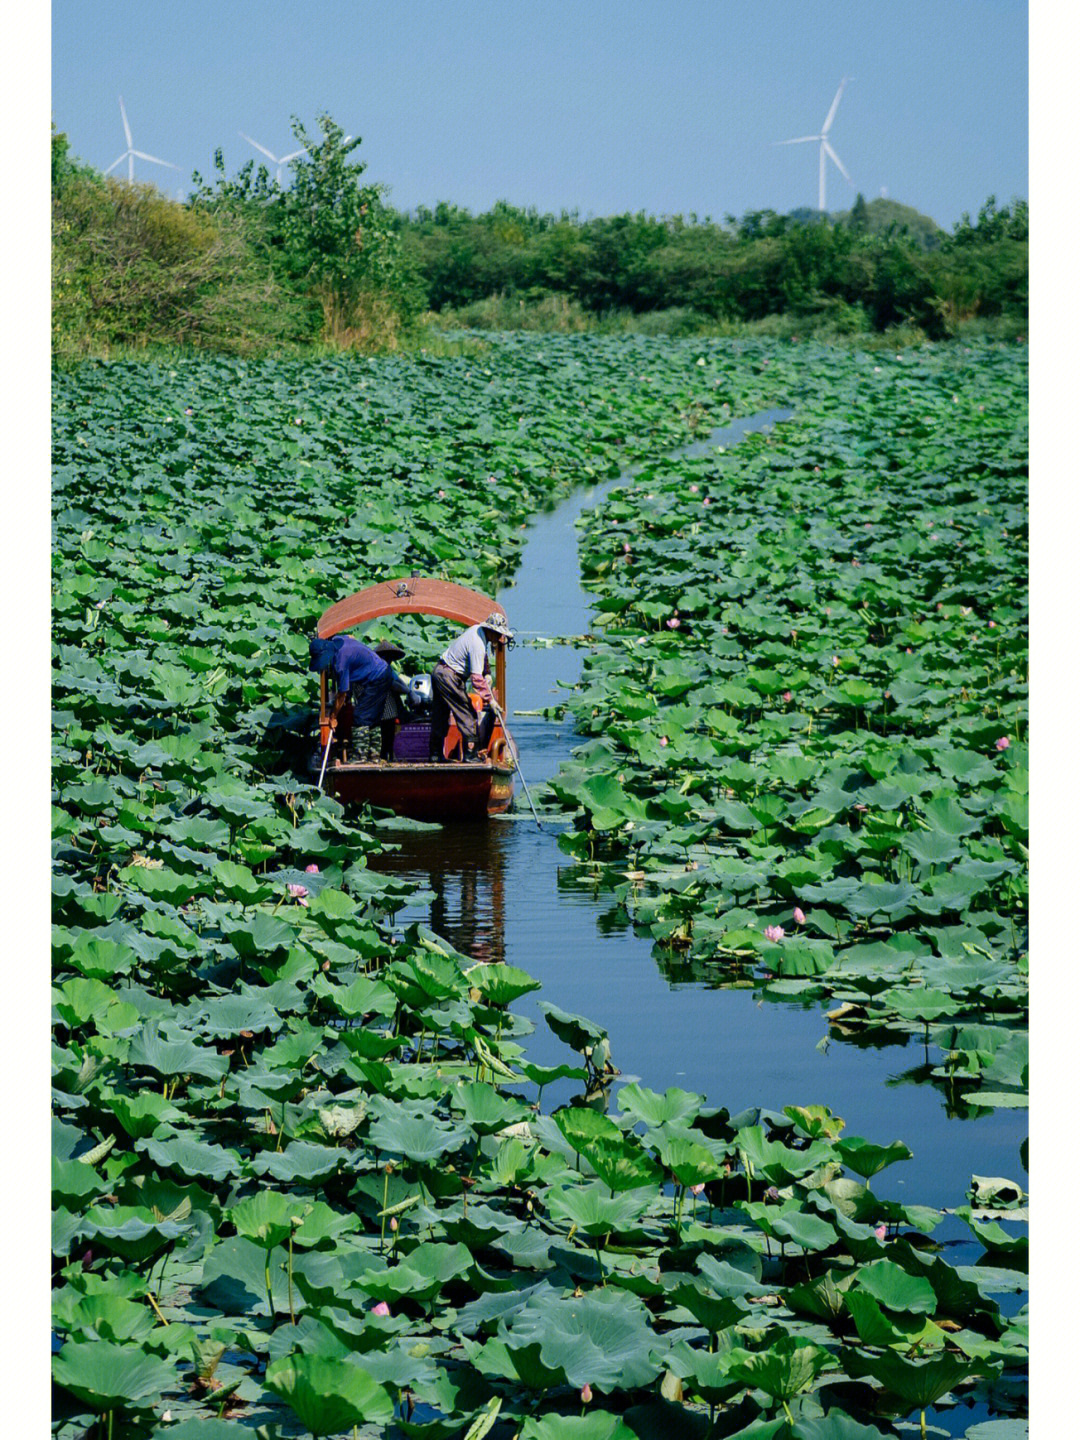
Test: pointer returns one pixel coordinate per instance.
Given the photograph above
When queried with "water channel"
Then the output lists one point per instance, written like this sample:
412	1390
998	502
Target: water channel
504	891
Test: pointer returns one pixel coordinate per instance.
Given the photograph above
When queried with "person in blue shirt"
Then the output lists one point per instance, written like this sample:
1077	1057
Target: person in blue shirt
364	677
464	664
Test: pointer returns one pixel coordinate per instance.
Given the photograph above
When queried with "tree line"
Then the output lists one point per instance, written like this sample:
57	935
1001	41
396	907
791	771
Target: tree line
247	265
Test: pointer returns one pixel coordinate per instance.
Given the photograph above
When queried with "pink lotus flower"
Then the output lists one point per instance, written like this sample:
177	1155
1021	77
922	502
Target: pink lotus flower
673	623
381	1308
880	1231
1002	743
774	932
836	659
787	697
298	891
697	1189
311	869
991	624
817	469
798	916
705	501
626	547
663	740
693	489
441	494
586	1393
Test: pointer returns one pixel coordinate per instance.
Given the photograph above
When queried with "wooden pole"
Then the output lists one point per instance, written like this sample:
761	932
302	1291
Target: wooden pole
500	675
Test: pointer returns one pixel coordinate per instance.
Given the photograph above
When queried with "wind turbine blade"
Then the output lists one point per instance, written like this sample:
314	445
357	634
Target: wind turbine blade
261	148
832	108
127	127
115	163
802	139
294	156
143	156
837	162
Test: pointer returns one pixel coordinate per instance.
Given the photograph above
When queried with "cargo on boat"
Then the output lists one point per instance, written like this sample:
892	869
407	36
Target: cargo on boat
409	782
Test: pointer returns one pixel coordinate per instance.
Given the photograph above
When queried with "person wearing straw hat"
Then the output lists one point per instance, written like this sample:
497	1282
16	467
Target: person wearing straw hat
464	664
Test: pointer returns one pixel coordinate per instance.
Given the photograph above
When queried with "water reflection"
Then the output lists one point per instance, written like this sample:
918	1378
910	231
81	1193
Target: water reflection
461	872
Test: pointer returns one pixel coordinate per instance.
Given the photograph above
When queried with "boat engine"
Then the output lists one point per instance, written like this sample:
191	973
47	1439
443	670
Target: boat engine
419	696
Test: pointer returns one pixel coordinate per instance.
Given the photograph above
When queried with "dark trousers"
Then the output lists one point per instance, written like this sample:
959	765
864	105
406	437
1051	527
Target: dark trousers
449	696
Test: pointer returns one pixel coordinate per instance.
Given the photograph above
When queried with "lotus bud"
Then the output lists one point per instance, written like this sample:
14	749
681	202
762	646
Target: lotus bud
798	916
586	1393
311	869
381	1308
393	1224
1002	743
880	1231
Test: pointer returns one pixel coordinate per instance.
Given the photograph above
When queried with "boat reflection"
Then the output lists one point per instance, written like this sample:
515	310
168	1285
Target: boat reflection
460	871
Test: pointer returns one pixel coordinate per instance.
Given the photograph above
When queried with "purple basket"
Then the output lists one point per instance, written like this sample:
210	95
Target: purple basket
411	740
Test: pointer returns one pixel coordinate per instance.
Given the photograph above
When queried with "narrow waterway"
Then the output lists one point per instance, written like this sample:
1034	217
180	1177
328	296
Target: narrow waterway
505	891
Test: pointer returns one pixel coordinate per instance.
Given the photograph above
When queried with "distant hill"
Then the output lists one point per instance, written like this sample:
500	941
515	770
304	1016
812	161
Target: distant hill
887	218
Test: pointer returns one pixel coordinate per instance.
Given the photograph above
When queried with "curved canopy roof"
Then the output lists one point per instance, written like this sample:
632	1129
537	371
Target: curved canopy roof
415	595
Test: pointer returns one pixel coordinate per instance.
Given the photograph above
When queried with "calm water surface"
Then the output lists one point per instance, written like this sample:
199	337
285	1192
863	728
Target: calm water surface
505	891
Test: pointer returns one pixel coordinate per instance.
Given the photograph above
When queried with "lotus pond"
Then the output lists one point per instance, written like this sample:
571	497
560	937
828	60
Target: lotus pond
310	1174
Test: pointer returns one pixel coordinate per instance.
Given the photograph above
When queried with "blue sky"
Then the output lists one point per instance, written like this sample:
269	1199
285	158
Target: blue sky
600	105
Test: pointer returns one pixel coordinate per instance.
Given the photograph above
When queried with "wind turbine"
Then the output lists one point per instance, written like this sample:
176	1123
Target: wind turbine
130	153
826	148
279	161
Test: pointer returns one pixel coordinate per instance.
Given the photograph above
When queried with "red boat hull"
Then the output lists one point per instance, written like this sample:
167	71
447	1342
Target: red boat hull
427	791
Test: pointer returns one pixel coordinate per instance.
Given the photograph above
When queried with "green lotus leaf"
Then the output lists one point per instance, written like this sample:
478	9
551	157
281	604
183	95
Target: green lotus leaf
573	1030
780	1163
418	1137
866	1158
484	1110
141	1114
596	1425
174	1053
131	1232
734	1277
113	1318
238	883
896	1289
196	1158
328	1395
603	1338
879	899
501	984
106	1376
301	1161
165	884
807	1231
788	1366
674	1107
690	1162
268	1217
715	1314
593	1210
260	934
203	1429
917	1383
879	1327
74	1182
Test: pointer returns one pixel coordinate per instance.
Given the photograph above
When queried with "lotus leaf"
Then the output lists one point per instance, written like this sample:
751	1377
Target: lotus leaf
106	1376
328	1395
867	1159
789	1365
602	1339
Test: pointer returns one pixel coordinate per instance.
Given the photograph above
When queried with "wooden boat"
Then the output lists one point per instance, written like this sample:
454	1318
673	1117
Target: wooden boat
411	784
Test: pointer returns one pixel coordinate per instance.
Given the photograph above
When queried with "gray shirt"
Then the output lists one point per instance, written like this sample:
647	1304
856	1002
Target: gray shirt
466	656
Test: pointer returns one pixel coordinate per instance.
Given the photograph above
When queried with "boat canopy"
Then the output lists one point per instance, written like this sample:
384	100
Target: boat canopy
415	595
